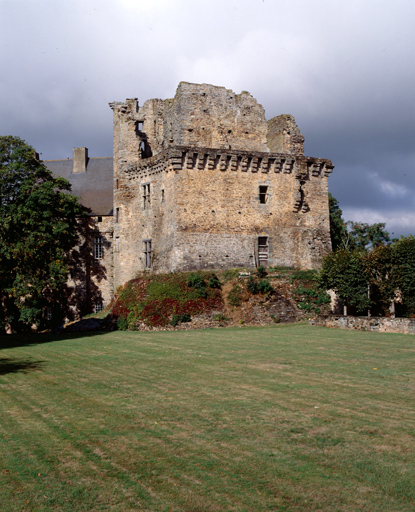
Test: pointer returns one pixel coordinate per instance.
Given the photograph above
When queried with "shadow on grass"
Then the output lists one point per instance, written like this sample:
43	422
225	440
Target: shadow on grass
14	365
22	340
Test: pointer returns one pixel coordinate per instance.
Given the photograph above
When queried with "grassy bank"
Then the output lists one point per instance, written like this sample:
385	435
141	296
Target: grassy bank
249	419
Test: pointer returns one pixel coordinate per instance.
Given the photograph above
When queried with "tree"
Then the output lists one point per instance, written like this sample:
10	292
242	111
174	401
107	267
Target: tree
337	225
364	236
353	235
38	229
344	272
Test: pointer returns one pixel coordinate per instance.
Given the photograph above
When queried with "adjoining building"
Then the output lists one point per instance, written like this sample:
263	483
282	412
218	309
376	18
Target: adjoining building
200	181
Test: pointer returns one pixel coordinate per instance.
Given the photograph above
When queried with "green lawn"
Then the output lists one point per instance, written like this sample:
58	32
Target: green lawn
285	418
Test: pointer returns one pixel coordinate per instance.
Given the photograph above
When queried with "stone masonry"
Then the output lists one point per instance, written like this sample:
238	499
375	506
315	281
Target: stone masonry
200	181
203	181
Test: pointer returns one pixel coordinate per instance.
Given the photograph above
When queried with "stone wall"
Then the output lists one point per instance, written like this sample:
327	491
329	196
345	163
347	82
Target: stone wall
194	175
361	323
284	135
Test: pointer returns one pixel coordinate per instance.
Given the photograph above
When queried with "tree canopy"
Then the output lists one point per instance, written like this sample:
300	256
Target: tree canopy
38	229
354	235
366	268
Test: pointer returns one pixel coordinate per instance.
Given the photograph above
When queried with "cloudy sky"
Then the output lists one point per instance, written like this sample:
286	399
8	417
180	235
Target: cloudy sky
344	69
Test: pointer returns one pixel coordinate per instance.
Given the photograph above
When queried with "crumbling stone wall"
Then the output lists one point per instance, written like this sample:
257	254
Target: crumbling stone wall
284	135
194	175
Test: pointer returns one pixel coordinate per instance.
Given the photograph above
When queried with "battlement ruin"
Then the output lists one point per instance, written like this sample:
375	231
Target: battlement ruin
202	181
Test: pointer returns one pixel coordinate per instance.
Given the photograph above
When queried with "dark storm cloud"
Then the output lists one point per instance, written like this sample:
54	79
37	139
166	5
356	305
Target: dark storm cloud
343	69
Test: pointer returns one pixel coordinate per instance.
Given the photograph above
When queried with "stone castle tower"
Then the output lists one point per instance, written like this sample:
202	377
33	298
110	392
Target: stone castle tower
200	181
203	181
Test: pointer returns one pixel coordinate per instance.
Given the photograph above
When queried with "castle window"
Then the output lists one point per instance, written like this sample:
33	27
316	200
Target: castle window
99	219
263	251
263	194
98	306
98	247
146	196
117	215
147	253
162	195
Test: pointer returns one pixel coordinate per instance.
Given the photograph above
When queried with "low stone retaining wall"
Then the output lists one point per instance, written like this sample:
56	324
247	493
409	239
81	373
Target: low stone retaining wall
363	323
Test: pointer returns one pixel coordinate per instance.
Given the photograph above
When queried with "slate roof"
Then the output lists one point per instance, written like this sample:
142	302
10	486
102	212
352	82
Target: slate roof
94	187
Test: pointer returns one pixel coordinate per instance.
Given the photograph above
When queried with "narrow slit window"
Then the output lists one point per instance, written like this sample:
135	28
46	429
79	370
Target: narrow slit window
162	195
117	215
147	253
263	194
146	196
98	247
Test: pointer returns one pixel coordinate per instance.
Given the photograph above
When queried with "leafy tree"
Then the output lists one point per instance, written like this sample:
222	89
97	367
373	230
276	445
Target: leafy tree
344	272
337	225
38	229
364	236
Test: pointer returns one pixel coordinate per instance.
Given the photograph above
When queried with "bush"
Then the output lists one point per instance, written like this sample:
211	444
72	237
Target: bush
304	275
252	285
265	286
235	296
220	318
261	271
312	299
214	282
122	323
177	319
196	281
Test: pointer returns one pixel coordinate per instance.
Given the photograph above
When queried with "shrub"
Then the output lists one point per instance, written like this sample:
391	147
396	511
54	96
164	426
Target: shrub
122	323
261	271
252	285
265	286
220	318
311	299
195	281
235	296
214	282
176	319
304	275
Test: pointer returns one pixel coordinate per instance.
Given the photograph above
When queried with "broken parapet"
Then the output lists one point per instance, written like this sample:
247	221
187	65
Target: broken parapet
284	136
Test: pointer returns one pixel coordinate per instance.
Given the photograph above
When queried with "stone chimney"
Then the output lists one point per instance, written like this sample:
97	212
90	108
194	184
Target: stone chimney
80	160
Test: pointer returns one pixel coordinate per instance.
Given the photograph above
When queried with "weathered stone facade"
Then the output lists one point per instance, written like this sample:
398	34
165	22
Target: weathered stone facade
203	181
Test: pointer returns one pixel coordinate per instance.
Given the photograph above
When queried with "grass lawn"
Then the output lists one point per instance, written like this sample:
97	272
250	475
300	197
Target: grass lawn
284	418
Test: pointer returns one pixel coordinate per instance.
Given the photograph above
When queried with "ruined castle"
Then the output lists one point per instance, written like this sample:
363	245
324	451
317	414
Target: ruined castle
200	181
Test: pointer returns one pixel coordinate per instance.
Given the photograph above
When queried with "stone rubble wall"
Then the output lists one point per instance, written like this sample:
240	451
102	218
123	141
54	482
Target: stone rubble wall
360	323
